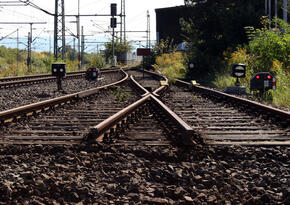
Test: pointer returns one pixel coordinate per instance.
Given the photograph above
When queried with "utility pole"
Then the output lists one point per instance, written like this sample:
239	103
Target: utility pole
59	30
285	10
29	41
78	35
74	46
29	52
270	11
17	54
276	12
82	47
123	21
148	30
266	7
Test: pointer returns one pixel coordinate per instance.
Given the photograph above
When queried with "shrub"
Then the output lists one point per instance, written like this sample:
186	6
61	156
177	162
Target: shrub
171	65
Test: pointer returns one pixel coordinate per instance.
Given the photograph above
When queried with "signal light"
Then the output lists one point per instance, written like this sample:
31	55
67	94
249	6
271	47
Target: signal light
258	77
269	77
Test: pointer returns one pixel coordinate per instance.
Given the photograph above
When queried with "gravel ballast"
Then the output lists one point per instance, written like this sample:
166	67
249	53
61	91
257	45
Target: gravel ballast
24	95
144	175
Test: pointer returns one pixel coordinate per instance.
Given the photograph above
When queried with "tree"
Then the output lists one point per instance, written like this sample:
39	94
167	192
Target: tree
215	26
120	47
267	45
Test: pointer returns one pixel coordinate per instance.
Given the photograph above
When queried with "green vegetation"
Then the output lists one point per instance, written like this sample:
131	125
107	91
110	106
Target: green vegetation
214	27
119	47
171	65
268	50
120	94
41	62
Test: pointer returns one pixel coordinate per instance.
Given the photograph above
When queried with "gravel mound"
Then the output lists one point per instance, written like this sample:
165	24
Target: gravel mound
144	175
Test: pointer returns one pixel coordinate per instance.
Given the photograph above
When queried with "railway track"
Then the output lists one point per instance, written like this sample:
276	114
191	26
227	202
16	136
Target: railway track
48	158
221	120
19	96
14	82
215	119
70	123
66	124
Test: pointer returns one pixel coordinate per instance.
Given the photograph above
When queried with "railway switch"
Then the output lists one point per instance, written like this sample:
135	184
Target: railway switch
263	81
58	70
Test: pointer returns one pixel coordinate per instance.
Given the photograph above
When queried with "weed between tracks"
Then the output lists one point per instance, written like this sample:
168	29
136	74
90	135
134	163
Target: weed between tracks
120	94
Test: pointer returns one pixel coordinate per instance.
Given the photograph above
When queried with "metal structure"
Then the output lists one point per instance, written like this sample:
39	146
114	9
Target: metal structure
59	30
123	21
285	10
148	31
29	41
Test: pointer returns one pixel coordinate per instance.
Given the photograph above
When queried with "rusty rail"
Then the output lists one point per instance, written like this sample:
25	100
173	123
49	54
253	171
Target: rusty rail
9	115
25	80
238	100
36	76
140	87
187	131
49	75
110	125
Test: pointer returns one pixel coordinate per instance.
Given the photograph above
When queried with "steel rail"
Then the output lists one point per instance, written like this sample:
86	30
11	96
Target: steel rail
110	125
156	91
44	78
189	135
76	73
15	113
35	76
99	130
259	106
140	87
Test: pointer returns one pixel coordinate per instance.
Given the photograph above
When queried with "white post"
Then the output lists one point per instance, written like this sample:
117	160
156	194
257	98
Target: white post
285	10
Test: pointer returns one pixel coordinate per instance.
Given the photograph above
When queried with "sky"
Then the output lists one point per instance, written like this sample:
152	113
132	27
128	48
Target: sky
94	27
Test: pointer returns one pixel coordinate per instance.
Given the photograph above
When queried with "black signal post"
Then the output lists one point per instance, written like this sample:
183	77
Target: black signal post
113	26
58	70
238	70
262	82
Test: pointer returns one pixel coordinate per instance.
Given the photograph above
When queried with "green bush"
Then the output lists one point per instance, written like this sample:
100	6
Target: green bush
171	65
268	51
268	45
97	60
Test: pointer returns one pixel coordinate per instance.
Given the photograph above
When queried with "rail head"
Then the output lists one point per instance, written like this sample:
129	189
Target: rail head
23	110
140	87
191	137
157	91
107	124
95	90
258	105
19	111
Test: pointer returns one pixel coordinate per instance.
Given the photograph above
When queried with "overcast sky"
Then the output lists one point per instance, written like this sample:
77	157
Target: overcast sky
136	11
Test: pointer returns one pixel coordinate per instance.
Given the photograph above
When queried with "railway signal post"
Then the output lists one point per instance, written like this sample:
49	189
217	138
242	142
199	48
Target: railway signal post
58	70
262	82
143	52
238	70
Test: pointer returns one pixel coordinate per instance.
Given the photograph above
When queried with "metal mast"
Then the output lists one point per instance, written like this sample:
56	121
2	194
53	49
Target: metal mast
123	21
59	30
148	31
285	10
